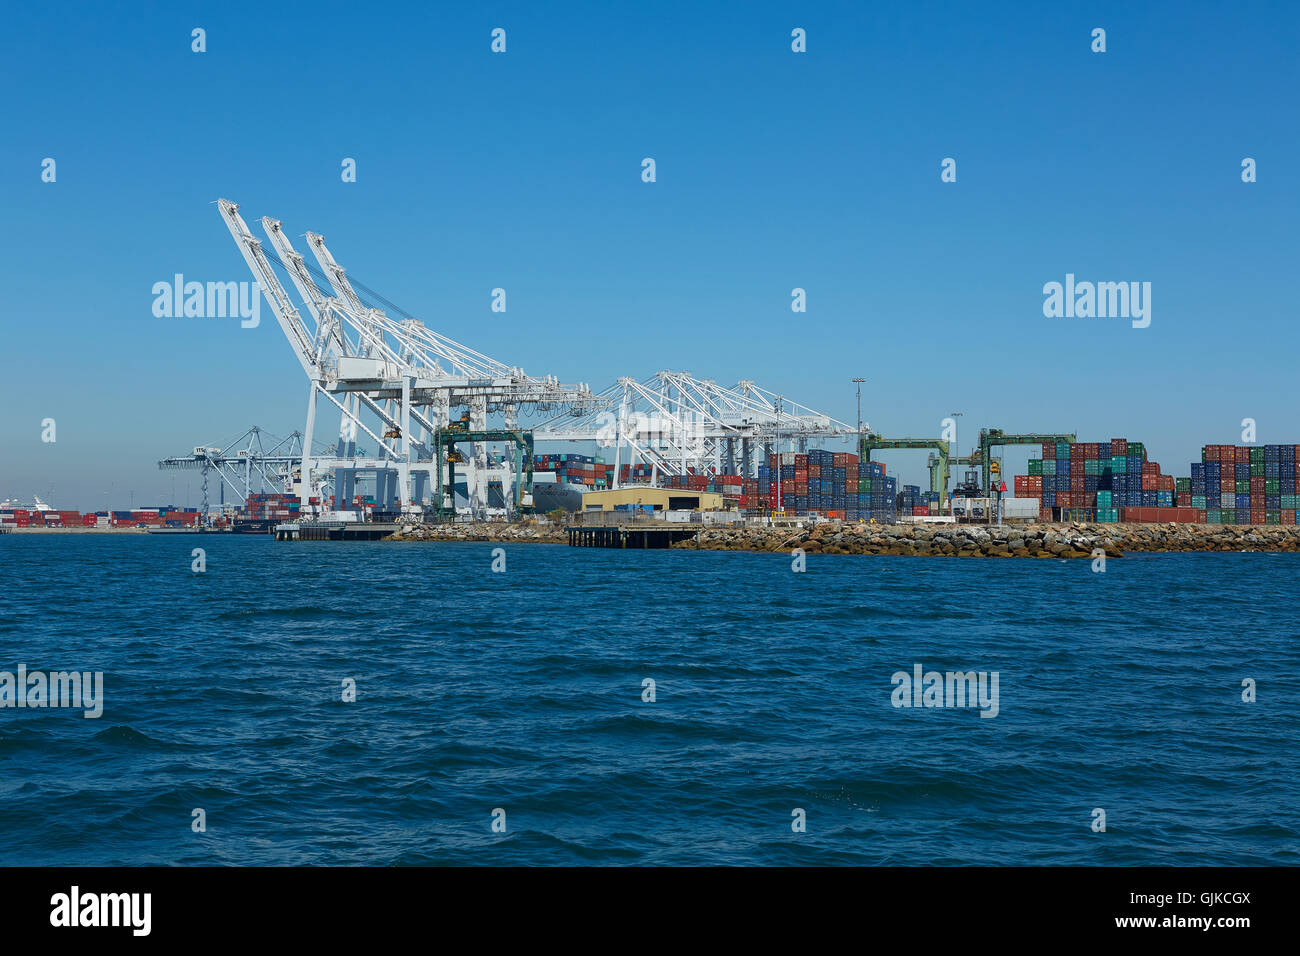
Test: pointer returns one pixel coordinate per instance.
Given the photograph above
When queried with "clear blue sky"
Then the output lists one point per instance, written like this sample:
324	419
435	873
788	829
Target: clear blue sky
775	170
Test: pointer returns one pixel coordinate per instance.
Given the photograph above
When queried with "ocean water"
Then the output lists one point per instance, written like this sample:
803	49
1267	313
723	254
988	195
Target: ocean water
522	692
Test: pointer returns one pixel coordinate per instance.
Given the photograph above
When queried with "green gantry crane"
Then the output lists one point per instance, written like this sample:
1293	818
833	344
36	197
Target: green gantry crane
938	463
991	438
455	432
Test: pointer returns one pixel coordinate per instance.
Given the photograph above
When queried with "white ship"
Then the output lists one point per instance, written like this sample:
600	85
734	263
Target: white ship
15	504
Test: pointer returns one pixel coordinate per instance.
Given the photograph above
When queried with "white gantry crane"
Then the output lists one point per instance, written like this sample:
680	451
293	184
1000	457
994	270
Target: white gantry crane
255	461
679	424
390	378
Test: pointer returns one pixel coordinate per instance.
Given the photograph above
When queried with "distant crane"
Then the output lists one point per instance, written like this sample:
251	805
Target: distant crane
680	424
254	460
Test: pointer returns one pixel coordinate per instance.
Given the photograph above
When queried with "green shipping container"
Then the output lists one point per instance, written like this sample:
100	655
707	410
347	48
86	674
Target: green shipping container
1256	457
1243	486
1118	465
1035	466
1062	449
1272	486
1229	516
1272	517
1137	450
1213	516
1256	469
1183	485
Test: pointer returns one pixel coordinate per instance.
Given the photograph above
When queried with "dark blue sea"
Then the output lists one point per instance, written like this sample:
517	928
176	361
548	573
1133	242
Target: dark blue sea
522	692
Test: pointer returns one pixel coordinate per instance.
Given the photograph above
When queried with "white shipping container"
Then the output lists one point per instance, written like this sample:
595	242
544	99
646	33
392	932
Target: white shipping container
1020	507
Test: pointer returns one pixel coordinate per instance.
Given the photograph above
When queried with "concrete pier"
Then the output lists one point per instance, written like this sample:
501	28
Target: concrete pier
657	536
333	531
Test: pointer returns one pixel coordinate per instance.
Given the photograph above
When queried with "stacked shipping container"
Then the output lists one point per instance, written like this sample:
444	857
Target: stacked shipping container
576	469
268	506
1243	484
1099	481
167	516
913	501
835	484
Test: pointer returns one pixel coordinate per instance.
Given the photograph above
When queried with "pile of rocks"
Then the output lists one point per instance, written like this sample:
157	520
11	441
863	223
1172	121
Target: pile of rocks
1074	540
1020	541
526	532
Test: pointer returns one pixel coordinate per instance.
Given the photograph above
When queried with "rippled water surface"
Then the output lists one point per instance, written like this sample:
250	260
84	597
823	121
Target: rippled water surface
523	691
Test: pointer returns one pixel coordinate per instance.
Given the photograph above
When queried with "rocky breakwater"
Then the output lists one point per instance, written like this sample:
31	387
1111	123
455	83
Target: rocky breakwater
521	533
1020	541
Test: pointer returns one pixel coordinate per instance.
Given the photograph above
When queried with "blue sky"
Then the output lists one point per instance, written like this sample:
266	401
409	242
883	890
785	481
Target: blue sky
775	170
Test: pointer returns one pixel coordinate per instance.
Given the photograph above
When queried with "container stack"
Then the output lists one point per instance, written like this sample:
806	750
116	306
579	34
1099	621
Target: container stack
165	516
731	487
162	516
271	506
877	492
638	474
834	484
1244	484
915	502
1099	481
16	517
788	489
576	469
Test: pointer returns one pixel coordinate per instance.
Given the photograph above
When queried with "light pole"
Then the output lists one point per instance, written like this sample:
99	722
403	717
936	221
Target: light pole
956	446
858	382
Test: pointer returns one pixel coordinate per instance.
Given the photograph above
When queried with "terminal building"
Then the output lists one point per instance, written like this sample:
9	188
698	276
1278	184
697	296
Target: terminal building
645	498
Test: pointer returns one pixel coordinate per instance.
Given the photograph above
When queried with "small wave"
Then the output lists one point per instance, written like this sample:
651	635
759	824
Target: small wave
305	613
124	736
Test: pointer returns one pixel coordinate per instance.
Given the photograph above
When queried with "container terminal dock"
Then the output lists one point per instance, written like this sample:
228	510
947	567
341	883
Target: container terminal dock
1101	482
404	425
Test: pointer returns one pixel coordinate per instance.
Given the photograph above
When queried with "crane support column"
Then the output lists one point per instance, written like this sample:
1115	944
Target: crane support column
304	488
